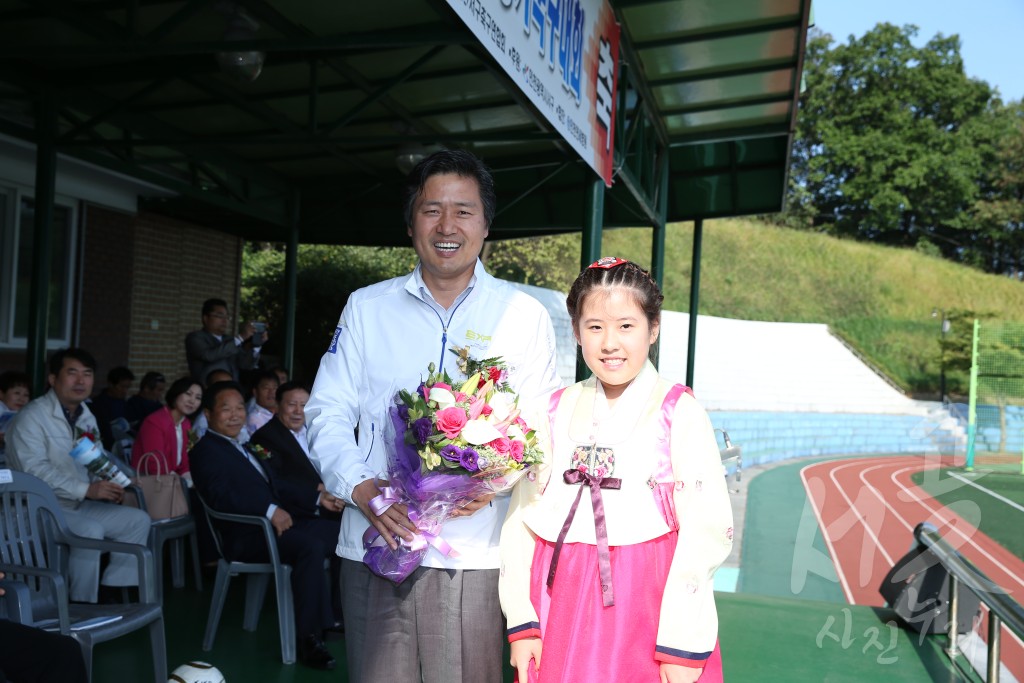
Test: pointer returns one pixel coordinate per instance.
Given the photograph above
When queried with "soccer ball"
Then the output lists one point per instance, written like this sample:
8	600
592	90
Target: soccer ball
196	672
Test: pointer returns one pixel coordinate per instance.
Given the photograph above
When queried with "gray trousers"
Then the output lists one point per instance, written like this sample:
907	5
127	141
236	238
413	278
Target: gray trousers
94	519
437	626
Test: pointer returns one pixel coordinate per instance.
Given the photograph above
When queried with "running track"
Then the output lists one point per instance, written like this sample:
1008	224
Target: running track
867	509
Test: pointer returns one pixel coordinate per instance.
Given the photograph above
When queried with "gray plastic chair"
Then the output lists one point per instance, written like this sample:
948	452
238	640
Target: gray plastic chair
258	577
35	542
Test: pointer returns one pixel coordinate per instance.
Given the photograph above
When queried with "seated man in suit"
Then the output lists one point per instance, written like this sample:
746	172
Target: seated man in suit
237	479
285	436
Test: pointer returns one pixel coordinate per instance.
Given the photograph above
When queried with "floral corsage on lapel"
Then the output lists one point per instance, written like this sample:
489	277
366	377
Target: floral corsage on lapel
257	451
79	433
193	439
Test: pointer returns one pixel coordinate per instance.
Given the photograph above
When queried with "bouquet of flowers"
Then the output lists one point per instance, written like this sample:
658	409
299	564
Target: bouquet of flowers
449	446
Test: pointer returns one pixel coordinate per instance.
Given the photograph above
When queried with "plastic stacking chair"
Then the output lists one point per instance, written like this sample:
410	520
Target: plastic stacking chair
174	529
258	577
35	543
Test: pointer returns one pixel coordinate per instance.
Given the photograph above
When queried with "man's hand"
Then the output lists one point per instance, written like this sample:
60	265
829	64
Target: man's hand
675	673
281	520
524	651
472	506
395	520
105	490
246	330
331	503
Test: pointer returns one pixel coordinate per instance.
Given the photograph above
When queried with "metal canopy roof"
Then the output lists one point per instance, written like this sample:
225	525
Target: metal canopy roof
708	91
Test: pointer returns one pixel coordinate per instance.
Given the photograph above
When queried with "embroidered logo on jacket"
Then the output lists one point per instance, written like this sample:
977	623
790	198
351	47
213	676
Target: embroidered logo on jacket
333	348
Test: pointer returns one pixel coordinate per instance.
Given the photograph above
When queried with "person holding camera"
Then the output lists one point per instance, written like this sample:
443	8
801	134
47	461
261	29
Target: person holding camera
213	347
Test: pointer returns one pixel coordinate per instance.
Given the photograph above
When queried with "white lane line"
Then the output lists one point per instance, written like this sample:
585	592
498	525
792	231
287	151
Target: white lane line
989	492
952	526
860	517
828	541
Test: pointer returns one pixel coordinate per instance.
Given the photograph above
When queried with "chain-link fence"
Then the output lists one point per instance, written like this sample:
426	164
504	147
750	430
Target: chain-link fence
996	409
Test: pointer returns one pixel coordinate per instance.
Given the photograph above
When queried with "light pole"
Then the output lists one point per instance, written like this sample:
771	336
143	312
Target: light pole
942	352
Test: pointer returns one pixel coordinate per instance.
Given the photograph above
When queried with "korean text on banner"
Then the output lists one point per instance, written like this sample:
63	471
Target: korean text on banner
564	55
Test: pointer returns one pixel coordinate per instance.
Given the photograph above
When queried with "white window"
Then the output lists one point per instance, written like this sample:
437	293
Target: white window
17	216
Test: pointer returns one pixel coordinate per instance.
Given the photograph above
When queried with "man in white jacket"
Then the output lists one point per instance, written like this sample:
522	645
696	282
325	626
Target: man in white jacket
39	442
442	624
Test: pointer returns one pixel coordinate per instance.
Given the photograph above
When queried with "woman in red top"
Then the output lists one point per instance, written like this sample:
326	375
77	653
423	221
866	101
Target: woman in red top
165	432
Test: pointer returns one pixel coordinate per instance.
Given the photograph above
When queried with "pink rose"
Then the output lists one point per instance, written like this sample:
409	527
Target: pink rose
451	421
502	446
460	397
516	450
441	385
486	410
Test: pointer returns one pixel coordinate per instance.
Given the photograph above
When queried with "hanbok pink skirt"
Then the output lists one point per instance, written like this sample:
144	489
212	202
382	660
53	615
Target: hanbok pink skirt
585	641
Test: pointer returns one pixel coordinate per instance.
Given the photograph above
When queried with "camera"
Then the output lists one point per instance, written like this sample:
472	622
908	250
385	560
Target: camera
260	334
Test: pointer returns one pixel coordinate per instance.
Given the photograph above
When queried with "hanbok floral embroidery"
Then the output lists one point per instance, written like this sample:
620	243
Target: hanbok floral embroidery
596	460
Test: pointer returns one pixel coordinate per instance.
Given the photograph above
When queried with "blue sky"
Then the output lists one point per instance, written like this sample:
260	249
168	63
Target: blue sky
990	31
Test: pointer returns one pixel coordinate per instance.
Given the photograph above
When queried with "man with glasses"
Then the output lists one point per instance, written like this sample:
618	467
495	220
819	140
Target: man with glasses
213	347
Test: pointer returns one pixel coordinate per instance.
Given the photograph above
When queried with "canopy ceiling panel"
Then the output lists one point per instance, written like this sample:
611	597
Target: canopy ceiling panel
346	88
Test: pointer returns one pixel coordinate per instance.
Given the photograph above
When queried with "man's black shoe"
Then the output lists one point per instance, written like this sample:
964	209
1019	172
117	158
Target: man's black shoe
313	654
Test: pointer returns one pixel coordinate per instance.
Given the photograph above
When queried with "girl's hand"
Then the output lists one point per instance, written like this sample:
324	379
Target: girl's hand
522	652
674	673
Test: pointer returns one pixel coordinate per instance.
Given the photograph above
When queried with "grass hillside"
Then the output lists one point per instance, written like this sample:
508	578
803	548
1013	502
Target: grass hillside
879	299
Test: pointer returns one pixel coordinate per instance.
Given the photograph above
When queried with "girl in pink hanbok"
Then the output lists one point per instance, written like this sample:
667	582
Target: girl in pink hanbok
609	549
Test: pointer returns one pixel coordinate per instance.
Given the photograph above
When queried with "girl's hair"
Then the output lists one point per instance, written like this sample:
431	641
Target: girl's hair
608	272
179	387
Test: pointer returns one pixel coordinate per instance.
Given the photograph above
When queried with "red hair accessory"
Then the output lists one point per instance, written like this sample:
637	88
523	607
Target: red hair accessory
606	262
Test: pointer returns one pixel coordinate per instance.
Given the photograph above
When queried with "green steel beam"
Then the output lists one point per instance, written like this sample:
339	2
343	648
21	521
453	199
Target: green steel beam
129	49
42	239
661	226
723	106
174	21
590	247
291	276
714	74
770	130
269	138
371	98
691	342
701	35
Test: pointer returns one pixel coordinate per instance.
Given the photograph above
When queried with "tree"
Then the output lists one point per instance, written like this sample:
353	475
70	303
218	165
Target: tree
999	211
893	141
326	276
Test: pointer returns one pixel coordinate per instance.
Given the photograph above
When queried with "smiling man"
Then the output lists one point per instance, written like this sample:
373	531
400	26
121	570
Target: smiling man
387	336
39	443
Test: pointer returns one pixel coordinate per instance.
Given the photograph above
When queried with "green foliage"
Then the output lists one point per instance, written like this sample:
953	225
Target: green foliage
326	276
551	261
895	144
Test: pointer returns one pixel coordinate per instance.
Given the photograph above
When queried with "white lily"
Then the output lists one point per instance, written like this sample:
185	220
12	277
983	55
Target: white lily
515	433
443	397
500	406
479	432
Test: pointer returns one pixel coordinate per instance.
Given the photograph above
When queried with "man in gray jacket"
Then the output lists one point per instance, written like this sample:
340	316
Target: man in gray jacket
39	442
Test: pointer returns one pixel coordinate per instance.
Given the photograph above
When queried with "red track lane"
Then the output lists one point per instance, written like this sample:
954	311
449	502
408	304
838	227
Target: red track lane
867	510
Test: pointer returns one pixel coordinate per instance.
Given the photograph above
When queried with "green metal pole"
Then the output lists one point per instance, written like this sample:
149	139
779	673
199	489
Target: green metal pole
42	238
972	416
691	342
291	277
590	249
658	235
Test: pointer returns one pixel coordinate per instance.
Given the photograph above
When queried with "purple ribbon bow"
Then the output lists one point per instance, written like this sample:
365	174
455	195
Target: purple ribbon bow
604	560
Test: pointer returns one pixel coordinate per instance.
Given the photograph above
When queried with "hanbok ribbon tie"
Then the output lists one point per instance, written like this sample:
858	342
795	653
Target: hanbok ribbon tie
604	560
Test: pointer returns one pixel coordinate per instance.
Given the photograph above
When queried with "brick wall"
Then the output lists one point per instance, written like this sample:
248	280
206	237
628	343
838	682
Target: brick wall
176	267
104	317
